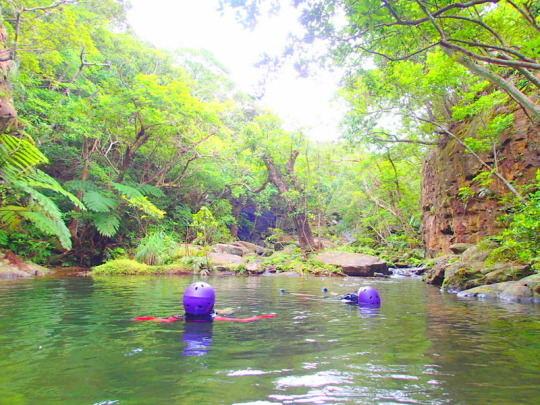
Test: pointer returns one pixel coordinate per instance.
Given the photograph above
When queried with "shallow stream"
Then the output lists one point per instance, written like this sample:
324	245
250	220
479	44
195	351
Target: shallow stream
72	341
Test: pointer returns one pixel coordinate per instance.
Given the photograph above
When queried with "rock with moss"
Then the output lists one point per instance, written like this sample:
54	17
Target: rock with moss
436	272
459	248
526	290
460	276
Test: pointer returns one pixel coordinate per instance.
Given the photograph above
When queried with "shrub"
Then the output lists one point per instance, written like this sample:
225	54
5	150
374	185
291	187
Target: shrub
155	249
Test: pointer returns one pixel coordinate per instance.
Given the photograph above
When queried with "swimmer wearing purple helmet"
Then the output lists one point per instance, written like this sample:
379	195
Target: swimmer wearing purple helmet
366	296
198	302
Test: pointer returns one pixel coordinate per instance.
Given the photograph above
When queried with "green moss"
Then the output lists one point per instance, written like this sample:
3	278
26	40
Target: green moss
121	266
131	267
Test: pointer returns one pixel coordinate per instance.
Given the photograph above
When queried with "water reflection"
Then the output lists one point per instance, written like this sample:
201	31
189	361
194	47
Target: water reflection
369	311
198	338
420	346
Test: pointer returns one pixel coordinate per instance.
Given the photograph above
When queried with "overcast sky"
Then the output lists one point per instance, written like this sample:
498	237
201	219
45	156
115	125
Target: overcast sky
302	103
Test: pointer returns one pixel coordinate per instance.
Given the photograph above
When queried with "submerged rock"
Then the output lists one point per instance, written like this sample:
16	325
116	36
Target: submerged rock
354	264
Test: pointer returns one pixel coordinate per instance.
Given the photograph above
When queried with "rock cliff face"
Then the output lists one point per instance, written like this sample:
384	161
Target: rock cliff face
448	219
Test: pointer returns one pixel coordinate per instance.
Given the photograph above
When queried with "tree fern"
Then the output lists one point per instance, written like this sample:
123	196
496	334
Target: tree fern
18	158
107	224
50	225
128	191
84	186
18	154
10	216
39	179
147	189
97	202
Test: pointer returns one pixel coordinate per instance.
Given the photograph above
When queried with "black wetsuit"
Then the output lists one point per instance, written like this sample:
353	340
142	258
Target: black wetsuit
209	317
351	298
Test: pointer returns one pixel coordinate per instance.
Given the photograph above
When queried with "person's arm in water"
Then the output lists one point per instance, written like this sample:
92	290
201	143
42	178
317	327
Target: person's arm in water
176	318
250	319
170	319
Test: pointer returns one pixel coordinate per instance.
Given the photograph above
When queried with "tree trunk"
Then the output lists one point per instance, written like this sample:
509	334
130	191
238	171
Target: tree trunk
8	114
237	207
294	208
86	154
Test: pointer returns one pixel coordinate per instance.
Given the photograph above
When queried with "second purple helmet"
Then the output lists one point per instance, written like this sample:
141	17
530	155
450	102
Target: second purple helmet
368	296
199	299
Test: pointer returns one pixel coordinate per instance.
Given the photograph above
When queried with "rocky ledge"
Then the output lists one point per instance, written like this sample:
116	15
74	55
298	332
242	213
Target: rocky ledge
469	273
354	264
13	267
525	290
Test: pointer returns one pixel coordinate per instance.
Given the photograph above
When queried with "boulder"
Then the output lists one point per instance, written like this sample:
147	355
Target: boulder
230	249
525	290
252	248
475	254
459	248
255	266
435	275
354	264
224	260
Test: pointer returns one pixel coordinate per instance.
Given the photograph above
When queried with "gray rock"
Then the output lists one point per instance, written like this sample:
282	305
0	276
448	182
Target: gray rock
458	248
435	275
230	249
251	248
474	254
354	264
525	290
28	269
224	260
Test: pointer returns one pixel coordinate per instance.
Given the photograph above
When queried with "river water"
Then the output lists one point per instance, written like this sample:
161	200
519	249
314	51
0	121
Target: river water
72	341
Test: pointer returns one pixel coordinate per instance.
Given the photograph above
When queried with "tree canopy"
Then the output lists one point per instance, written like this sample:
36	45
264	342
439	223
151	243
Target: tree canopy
107	140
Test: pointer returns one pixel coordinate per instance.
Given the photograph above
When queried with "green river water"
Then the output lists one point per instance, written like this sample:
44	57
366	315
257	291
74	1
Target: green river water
72	341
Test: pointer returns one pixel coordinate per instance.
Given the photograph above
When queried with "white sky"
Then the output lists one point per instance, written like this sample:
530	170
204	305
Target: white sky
302	103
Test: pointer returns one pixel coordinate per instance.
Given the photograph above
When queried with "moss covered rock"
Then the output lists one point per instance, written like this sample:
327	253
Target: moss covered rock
525	290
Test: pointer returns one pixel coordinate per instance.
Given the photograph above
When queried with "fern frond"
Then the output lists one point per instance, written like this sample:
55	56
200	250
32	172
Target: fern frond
85	186
10	216
126	190
50	225
41	203
98	202
19	153
106	224
147	189
39	179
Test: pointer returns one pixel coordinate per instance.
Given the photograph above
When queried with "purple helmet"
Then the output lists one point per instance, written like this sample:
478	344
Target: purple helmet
199	299
368	296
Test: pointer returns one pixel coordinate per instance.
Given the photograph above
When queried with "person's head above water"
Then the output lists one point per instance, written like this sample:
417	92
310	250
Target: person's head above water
368	296
199	299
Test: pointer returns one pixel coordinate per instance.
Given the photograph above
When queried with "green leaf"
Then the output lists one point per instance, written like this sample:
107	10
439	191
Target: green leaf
147	189
99	203
126	190
106	224
84	186
50	225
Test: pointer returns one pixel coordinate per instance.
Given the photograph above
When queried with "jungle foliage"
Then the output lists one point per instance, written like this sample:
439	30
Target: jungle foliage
139	149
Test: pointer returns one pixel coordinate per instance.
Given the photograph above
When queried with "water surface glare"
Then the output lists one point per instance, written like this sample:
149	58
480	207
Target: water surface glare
72	341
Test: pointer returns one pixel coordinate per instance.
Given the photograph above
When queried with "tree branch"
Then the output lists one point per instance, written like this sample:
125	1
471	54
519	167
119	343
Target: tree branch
495	61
